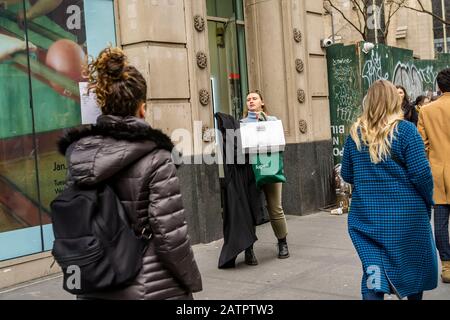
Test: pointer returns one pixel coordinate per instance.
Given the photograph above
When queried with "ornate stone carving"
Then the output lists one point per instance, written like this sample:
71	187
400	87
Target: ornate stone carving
299	65
208	135
297	35
204	97
202	60
199	23
301	96
303	126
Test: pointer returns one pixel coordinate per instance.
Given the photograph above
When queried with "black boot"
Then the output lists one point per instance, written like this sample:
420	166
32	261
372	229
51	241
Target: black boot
250	257
283	251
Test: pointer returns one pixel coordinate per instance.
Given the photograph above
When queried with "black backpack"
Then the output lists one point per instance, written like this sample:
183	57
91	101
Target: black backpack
95	245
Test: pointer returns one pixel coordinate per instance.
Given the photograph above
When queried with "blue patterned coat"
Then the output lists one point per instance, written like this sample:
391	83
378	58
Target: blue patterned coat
389	220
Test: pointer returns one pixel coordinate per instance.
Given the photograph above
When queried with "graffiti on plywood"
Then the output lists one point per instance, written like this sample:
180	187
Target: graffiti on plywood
372	70
415	80
409	77
346	97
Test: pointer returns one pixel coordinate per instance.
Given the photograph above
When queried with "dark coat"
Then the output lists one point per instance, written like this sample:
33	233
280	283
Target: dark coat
410	113
242	202
389	221
136	161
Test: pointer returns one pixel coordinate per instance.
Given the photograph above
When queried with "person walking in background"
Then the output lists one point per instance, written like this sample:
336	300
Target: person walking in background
421	101
409	112
136	161
434	127
389	221
257	111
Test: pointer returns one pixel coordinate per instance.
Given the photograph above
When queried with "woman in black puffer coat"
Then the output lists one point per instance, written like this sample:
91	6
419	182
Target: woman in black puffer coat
136	160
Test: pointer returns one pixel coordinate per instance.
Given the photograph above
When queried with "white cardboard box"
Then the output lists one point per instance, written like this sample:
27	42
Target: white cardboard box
262	136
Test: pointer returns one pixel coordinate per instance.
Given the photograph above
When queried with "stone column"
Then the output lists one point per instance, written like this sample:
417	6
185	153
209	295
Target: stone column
167	41
153	34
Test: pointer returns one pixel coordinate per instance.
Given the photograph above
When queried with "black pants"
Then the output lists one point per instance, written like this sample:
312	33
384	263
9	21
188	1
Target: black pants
441	217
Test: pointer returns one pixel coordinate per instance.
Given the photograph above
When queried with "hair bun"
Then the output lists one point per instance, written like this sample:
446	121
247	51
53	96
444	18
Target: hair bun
112	62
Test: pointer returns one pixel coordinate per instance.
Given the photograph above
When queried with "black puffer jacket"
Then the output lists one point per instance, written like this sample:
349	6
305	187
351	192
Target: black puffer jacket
137	162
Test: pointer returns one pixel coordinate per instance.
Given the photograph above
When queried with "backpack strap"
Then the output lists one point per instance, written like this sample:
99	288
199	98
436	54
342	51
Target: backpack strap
144	233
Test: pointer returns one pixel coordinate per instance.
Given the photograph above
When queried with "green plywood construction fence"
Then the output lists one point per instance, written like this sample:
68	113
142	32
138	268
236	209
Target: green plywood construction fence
345	92
351	71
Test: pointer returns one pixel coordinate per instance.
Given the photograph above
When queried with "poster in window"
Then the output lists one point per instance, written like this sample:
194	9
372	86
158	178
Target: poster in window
55	52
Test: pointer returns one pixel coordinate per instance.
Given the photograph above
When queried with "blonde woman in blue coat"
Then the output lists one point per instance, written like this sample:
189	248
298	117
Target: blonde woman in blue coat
389	222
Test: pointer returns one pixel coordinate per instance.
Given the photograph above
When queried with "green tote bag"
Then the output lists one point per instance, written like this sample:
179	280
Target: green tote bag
268	168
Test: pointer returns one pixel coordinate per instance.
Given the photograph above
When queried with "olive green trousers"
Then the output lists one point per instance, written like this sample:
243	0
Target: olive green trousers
277	219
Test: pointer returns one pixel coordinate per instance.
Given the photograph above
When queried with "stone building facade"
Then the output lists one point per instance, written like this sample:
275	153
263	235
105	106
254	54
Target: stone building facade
202	56
283	58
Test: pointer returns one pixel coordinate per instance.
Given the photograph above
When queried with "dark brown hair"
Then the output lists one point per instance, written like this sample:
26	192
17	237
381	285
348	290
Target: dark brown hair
120	87
443	80
405	101
420	100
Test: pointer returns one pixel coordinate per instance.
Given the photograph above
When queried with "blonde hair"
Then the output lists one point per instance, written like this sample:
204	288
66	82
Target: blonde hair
381	115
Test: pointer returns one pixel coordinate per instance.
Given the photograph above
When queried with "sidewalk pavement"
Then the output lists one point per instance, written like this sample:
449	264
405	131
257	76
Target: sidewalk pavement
323	266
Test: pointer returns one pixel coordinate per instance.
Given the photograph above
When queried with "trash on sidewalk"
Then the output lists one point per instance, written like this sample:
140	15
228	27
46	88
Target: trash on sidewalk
343	194
343	201
340	207
337	212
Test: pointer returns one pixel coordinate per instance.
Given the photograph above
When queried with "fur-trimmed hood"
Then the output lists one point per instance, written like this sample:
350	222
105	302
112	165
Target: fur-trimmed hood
96	152
130	129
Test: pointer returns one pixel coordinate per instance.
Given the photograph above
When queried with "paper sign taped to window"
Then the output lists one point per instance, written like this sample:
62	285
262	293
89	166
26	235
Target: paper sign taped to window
89	107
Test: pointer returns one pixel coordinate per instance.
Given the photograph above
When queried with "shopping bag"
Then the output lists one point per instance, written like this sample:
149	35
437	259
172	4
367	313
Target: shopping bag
268	168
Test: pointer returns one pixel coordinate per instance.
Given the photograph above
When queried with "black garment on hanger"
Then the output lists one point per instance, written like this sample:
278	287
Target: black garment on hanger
242	201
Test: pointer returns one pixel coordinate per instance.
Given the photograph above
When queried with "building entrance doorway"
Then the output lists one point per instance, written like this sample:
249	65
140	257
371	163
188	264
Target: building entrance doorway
229	80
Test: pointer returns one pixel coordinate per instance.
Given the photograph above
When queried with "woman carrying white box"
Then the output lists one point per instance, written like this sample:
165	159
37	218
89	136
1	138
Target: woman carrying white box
257	111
